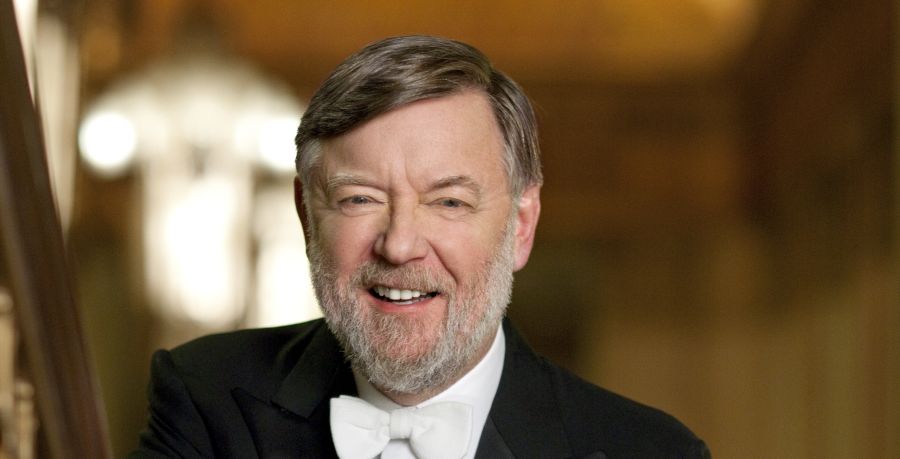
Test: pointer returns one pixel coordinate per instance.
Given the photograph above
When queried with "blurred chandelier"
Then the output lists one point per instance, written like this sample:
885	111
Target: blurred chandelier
210	140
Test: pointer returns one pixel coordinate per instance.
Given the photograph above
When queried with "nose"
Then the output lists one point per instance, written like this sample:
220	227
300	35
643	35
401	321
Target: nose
402	239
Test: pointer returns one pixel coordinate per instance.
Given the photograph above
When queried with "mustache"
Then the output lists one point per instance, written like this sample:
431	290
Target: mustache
379	272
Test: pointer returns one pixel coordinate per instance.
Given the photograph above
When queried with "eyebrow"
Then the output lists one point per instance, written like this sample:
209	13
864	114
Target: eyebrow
463	181
338	181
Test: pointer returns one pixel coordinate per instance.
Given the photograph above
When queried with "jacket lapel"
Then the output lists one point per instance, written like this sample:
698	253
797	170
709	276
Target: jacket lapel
319	373
524	418
291	419
491	445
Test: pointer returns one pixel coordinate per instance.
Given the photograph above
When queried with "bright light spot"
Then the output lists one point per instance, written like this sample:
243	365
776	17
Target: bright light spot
26	12
284	292
108	142
276	143
245	135
26	17
202	274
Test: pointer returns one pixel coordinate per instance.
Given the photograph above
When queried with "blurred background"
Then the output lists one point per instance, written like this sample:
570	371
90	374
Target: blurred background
720	230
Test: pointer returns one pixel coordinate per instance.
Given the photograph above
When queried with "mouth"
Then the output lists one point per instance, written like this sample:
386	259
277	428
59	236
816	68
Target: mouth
400	296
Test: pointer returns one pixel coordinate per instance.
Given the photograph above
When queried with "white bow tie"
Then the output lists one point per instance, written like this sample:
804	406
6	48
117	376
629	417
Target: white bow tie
437	431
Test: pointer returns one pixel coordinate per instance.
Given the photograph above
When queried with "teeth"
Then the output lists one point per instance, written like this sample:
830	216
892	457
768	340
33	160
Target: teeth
397	294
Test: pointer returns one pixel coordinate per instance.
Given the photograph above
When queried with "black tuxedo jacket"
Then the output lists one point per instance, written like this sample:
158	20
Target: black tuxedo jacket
265	393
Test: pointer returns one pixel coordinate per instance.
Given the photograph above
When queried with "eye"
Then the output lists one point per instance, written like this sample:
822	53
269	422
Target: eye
357	200
451	203
357	204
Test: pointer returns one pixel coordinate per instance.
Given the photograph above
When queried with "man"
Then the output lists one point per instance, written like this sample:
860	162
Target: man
419	192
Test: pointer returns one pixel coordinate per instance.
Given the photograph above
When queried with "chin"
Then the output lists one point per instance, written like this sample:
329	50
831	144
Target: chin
404	338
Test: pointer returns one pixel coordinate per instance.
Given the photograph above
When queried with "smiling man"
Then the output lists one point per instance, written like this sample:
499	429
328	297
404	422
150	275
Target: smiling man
415	241
419	191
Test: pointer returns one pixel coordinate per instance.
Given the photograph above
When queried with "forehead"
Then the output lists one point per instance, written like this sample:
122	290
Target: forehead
455	135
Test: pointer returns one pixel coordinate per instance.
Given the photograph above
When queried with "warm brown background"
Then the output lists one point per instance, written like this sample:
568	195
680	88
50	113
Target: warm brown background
719	236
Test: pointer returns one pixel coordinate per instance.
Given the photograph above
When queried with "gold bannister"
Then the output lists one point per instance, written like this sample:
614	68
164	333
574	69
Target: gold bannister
46	327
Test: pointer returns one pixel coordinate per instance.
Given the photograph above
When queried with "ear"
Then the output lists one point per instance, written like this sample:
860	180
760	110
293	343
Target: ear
301	209
526	223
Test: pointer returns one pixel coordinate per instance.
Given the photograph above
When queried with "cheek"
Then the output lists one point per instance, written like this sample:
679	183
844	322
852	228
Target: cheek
464	251
348	242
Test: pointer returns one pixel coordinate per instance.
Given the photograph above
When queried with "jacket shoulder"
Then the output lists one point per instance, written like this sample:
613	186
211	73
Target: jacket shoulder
598	419
587	420
194	410
246	353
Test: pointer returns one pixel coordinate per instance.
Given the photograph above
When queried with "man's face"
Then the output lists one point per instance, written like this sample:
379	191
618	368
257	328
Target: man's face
415	240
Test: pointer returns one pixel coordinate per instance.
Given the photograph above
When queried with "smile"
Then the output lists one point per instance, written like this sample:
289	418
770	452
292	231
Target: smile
400	296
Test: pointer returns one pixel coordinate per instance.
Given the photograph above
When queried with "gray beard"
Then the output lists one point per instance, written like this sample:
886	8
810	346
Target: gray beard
367	335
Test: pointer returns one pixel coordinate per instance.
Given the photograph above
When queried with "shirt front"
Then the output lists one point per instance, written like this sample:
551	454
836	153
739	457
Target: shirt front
476	389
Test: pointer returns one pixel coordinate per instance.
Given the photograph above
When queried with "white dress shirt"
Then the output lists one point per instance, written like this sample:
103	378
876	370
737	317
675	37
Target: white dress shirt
476	388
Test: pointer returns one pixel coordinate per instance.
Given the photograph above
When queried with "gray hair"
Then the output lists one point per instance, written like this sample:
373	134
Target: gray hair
397	71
